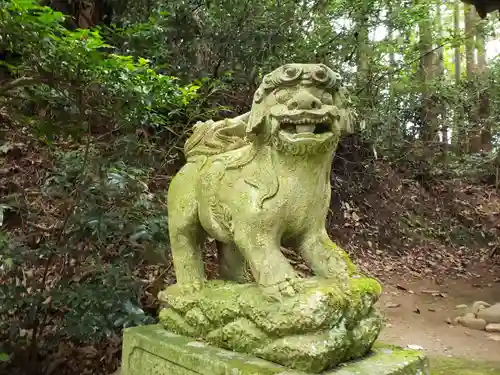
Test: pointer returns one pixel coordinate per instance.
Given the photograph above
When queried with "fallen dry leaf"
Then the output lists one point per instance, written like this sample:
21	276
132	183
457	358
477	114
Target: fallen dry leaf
392	305
426	291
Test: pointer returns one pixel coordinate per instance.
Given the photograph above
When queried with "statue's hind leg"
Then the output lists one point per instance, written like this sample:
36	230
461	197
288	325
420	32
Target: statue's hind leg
232	264
325	258
185	231
270	268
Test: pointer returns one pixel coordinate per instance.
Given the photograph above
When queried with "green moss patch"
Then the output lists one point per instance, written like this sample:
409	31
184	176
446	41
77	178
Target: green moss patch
326	324
458	366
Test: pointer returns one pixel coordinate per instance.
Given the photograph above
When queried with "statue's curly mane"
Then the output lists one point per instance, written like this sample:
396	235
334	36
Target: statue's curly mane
211	138
227	141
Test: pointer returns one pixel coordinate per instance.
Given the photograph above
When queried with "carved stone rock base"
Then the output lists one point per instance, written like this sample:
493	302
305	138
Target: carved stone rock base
324	325
156	351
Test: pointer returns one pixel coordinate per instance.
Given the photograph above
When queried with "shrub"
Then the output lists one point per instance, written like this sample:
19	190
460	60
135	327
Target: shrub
73	241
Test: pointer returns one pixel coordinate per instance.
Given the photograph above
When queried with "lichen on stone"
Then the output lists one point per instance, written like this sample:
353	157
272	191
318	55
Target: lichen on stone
254	183
319	328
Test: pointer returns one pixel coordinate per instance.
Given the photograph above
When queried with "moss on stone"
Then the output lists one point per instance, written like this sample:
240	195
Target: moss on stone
153	350
351	267
241	335
366	285
326	324
459	366
170	318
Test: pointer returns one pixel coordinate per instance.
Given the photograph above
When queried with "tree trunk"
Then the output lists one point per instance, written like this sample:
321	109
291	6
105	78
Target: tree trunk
470	61
474	133
392	14
483	103
428	69
459	133
395	128
83	14
363	61
441	109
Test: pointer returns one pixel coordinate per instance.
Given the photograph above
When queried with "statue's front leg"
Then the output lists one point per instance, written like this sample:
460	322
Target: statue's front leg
270	268
185	231
325	258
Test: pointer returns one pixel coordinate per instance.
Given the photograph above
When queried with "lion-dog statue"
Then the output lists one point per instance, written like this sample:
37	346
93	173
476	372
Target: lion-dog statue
260	181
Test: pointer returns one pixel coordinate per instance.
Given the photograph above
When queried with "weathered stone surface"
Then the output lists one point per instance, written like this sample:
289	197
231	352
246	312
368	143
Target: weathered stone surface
152	350
478	306
490	314
493	327
322	326
477	316
254	183
261	180
470	321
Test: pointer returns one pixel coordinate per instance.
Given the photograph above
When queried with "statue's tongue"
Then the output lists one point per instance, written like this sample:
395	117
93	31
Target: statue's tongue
305	128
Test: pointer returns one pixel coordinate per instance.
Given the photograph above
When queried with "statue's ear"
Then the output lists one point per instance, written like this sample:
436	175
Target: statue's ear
254	122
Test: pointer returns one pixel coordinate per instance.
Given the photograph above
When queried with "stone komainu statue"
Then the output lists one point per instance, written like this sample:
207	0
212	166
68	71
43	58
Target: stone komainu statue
262	180
255	183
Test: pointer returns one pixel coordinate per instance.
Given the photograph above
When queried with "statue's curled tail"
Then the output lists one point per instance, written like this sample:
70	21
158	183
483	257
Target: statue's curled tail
211	138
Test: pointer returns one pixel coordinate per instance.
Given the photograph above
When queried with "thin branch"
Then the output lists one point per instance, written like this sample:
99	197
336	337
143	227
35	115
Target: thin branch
18	82
393	71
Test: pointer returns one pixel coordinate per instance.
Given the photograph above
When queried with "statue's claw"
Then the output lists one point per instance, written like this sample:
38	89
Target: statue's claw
338	268
285	288
190	288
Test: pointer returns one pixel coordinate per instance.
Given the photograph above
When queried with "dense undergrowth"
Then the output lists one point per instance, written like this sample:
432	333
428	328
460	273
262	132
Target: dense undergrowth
80	262
90	134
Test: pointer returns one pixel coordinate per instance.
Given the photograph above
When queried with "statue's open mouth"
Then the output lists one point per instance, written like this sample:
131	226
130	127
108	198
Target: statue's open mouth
306	124
308	127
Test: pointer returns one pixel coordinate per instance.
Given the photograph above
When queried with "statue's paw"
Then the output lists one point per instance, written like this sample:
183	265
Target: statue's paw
285	288
186	289
336	267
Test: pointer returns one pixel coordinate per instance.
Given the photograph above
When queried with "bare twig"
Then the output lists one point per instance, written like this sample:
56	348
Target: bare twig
18	82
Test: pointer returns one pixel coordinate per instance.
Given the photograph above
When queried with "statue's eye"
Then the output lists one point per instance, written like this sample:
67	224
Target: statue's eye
320	74
327	98
282	95
290	73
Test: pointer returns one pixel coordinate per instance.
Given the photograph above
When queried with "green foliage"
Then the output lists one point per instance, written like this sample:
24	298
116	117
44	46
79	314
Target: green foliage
73	86
73	271
95	117
269	34
105	223
99	305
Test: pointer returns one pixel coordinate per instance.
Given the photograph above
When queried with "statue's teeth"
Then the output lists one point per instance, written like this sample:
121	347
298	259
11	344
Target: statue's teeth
305	128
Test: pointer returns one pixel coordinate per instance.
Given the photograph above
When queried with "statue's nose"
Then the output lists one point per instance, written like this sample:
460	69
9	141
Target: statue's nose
303	100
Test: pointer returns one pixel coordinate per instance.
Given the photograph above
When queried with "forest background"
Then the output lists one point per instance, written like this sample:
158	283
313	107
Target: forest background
98	96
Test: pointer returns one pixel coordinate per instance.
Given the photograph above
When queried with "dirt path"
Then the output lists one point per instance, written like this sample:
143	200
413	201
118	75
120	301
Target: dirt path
418	318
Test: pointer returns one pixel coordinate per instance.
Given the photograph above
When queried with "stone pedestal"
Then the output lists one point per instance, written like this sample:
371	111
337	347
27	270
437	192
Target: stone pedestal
325	324
152	350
